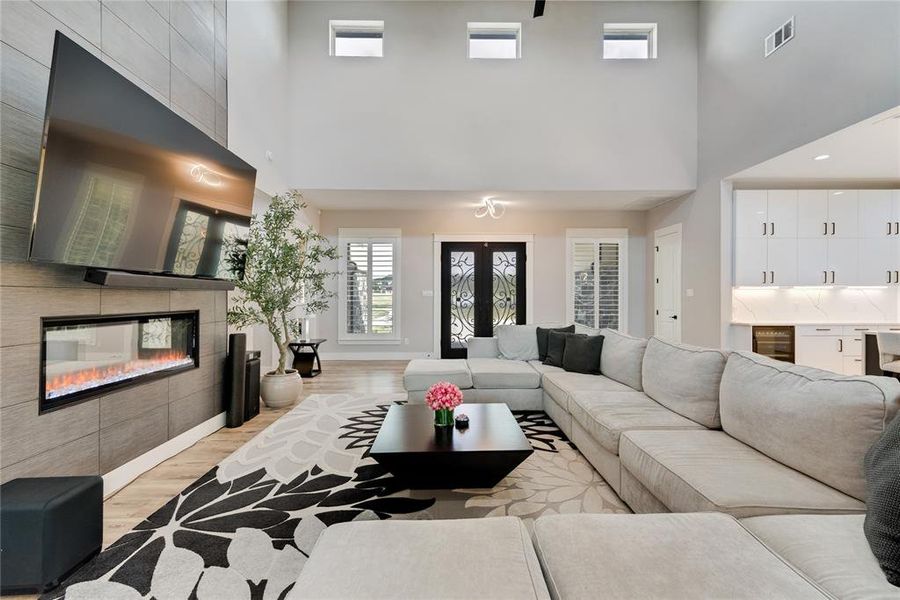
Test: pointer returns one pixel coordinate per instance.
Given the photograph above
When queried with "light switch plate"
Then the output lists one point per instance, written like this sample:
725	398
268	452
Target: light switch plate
689	292
428	293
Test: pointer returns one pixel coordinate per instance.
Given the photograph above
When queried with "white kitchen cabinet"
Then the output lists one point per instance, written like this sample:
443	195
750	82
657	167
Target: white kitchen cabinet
843	214
852	365
765	261
879	261
750	214
819	351
812	261
812	214
781	209
782	261
843	261
877	216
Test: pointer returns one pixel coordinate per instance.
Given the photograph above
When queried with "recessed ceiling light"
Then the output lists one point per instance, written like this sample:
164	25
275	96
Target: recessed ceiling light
822	157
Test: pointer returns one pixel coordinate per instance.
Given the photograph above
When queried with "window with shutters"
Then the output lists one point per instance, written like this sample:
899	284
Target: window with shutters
369	292
596	277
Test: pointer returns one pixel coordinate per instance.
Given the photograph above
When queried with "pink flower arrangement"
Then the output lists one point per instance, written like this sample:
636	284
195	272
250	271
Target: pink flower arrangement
443	395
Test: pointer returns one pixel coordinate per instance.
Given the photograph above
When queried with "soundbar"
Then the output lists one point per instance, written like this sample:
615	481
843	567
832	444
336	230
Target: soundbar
124	279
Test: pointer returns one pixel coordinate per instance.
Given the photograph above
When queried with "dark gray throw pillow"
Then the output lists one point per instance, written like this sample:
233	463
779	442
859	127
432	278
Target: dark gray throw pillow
882	525
556	347
582	354
543	338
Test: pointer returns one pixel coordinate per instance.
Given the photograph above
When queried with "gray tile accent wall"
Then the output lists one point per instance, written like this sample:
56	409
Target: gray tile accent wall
174	50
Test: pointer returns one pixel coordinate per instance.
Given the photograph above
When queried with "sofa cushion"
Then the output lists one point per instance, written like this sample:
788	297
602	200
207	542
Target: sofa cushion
829	549
559	384
622	358
517	342
663	556
684	379
692	471
882	526
606	415
422	373
482	347
543	338
499	373
582	354
814	421
556	348
423	559
542	368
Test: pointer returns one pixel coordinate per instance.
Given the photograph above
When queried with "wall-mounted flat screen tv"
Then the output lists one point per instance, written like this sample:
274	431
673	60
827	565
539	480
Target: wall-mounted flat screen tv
127	184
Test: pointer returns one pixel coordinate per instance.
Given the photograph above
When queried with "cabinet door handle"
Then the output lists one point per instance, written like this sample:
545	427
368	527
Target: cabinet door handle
773	228
840	345
764	277
890	225
826	228
889	276
832	277
896	276
772	278
765	230
825	273
896	227
832	228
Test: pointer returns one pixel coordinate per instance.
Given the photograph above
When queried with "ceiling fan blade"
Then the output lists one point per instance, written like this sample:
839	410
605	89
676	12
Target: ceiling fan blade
539	8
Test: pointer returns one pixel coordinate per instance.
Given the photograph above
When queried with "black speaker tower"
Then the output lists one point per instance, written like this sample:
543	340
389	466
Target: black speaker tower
235	379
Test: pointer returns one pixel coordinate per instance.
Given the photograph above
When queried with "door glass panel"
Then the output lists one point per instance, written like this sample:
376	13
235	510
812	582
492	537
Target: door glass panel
462	298
503	287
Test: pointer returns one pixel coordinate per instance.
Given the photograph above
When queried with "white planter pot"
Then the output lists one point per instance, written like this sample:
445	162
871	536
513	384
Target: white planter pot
278	391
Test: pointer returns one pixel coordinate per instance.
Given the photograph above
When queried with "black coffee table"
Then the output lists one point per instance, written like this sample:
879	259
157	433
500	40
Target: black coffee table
428	457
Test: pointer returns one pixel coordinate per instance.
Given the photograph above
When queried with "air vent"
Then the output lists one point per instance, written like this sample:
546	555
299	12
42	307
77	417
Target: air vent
780	37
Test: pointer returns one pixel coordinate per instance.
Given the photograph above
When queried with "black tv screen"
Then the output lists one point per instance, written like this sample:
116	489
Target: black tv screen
127	184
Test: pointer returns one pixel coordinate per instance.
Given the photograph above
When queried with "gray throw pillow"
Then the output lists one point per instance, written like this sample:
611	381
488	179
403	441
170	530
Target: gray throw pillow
882	525
543	338
517	342
582	353
556	347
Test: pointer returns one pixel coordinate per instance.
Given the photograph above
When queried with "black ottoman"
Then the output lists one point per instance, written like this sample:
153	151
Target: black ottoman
49	526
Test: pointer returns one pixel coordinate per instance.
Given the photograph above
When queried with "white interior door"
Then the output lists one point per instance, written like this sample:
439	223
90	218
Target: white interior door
667	290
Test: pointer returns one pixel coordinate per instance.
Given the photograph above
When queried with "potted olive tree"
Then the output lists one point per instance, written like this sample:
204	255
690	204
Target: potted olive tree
278	271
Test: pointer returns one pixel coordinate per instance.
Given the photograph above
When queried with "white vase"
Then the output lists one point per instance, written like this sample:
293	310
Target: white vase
278	391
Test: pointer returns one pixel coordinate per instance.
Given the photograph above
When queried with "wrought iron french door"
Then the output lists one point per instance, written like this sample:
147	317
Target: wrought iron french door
482	286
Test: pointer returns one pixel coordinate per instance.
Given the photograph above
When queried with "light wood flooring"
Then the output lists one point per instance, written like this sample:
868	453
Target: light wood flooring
140	498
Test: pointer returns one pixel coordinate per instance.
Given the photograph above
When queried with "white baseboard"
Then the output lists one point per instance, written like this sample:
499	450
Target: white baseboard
118	478
372	355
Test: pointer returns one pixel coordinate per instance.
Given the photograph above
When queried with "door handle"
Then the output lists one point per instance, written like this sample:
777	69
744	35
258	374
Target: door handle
896	227
832	277
826	228
840	345
765	230
764	277
896	276
772	278
832	228
675	317
825	280
773	228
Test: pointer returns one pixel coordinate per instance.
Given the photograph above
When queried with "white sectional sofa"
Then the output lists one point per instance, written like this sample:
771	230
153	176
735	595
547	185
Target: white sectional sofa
761	462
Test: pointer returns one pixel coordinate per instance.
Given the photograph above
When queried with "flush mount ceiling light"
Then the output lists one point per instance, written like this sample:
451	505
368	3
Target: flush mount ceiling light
203	174
822	157
490	206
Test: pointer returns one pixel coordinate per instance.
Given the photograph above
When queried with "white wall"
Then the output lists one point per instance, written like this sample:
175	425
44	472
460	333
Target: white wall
842	66
258	88
417	265
425	117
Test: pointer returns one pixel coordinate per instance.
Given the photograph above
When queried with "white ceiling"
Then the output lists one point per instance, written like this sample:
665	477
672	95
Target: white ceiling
450	200
868	150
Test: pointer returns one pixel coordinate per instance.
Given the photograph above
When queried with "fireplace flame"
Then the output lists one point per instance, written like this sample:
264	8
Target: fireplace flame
85	379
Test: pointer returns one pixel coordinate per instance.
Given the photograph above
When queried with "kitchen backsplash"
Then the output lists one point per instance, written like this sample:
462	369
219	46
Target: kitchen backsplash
815	305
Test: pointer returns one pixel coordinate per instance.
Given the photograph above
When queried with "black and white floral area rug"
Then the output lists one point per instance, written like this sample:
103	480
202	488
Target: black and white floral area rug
244	530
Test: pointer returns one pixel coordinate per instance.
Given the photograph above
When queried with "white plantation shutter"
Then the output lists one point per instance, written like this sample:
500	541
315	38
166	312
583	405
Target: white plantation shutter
369	285
596	281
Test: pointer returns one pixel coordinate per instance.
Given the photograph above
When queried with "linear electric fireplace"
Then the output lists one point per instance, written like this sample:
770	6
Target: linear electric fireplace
83	357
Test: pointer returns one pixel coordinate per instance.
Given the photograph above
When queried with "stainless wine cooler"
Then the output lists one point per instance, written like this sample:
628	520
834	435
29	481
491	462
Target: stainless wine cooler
774	342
